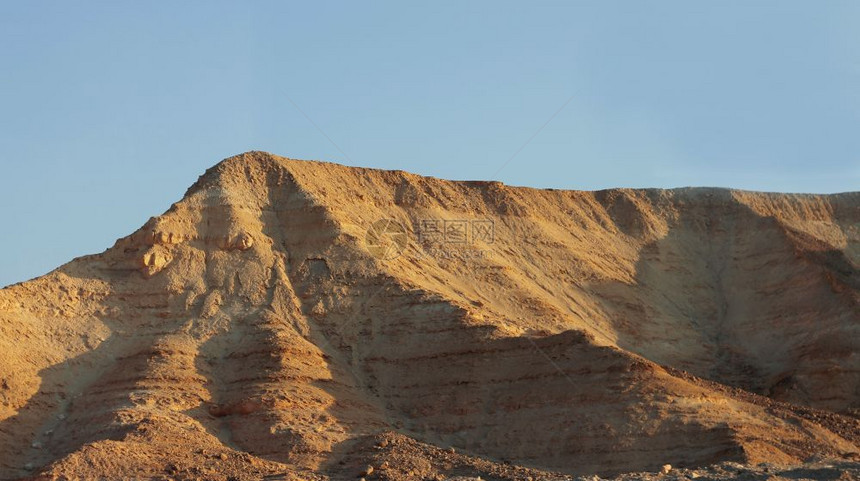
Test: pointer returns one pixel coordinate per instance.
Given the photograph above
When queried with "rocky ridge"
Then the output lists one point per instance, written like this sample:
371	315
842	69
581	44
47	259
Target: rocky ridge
256	329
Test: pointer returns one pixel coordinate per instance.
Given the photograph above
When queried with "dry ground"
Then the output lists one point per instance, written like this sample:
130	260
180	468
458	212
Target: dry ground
256	331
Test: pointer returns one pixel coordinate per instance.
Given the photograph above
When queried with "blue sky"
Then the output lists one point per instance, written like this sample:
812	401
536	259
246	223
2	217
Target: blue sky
109	111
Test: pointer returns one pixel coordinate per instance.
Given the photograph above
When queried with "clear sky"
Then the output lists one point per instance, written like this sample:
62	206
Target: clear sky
110	110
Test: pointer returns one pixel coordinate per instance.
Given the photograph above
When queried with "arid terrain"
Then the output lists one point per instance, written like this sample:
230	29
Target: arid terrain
304	320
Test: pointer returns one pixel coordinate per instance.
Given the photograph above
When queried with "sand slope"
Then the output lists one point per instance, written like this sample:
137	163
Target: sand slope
268	325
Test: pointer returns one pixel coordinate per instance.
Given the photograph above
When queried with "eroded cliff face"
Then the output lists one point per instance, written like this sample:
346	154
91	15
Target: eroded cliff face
257	328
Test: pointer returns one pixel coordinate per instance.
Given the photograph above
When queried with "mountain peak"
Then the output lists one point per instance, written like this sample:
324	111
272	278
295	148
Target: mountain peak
310	318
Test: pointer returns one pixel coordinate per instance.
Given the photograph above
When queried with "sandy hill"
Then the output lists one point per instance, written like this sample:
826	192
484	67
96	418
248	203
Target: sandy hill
300	320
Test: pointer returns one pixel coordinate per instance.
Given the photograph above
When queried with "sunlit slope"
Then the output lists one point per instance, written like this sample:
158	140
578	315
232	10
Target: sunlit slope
257	328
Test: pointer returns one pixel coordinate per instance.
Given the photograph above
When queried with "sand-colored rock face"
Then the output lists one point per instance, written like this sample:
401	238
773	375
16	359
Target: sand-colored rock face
257	329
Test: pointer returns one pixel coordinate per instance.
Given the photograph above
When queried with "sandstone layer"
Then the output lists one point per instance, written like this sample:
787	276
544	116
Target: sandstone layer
268	324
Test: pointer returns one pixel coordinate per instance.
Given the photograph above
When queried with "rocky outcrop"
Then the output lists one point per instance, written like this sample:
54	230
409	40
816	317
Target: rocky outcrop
251	330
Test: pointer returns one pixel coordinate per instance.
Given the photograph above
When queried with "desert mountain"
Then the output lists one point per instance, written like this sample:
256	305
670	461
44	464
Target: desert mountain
301	320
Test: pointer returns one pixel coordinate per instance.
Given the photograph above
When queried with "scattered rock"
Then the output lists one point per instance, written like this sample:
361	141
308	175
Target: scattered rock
318	311
666	469
154	260
164	238
241	242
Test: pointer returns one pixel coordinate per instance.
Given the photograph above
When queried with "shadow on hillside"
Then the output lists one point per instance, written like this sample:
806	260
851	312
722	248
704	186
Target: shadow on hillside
737	298
77	400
